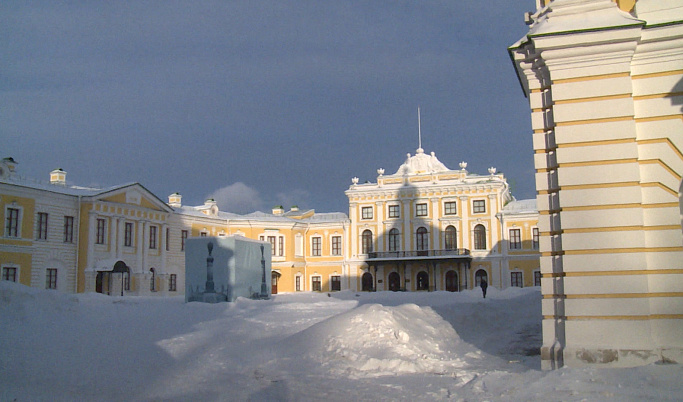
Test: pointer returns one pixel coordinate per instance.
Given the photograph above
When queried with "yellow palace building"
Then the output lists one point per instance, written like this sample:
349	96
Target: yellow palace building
424	228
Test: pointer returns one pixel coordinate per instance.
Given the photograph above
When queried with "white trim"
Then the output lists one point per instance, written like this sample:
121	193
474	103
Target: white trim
10	265
20	220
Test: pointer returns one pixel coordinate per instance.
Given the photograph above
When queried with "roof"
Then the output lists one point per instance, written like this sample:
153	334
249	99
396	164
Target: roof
521	206
421	163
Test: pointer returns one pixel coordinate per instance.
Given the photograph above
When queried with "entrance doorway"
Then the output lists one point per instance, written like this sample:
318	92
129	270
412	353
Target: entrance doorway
273	282
394	282
422	280
366	282
451	281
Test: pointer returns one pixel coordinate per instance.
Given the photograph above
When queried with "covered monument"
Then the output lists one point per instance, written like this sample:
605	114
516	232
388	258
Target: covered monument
219	269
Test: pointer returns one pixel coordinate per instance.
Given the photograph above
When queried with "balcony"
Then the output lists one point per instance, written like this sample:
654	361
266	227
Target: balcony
419	255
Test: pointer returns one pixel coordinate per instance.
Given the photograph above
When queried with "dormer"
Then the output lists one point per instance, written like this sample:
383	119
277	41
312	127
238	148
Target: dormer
58	176
210	207
175	200
278	210
7	166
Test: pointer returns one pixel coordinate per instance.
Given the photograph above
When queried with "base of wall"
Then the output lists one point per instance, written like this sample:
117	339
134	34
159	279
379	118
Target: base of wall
554	357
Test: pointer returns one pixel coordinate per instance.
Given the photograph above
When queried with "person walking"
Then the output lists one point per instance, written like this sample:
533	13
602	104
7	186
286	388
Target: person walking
484	285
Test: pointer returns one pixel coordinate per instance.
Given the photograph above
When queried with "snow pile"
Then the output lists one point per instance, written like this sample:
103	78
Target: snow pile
374	340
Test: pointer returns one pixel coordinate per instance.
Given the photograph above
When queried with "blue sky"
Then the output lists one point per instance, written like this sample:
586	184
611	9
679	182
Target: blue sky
260	103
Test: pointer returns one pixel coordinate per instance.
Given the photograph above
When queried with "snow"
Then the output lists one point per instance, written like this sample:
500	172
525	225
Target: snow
306	346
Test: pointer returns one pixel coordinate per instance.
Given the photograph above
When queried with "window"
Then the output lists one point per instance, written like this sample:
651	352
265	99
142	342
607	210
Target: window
100	231
297	283
271	240
51	278
479	237
152	237
172	283
515	239
168	234
366	212
335	283
421	210
9	274
394	211
281	246
42	226
478	206
183	237
451	238
450	208
12	222
336	245
394	240
203	234
316	283
516	279
534	240
316	246
68	229
366	241
537	278
128	234
126	281
422	237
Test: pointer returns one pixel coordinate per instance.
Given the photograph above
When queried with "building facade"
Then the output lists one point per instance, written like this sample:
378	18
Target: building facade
424	228
427	227
605	85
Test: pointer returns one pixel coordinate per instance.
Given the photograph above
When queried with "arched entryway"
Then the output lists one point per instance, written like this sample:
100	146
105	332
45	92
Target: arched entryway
479	276
422	281
394	282
451	281
367	282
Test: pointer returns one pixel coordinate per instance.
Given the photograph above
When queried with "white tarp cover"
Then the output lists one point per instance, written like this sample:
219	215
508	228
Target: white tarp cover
236	268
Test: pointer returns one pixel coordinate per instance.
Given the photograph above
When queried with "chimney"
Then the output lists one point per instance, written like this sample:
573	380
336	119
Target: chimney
175	200
278	210
58	176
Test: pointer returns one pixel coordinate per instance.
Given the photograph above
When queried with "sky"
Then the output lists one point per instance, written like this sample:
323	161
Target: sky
260	103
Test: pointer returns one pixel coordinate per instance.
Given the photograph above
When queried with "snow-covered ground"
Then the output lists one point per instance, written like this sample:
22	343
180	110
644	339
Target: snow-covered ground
340	347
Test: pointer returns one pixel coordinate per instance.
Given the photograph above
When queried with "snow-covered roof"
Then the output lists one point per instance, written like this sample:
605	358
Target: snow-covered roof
421	163
521	206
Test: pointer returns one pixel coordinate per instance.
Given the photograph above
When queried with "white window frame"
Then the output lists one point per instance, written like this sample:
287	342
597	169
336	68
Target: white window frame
418	209
398	210
455	206
473	207
56	283
321	283
341	245
320	246
363	214
515	245
535	238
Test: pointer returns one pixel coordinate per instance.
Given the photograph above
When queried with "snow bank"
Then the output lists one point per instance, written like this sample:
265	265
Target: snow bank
374	340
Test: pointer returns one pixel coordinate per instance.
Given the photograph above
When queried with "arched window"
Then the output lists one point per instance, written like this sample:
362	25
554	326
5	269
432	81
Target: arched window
479	276
479	237
394	282
366	241
394	240
367	284
451	238
422	239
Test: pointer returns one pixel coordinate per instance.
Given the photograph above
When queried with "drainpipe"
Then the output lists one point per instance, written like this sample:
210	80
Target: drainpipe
78	244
